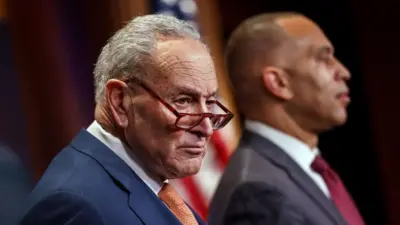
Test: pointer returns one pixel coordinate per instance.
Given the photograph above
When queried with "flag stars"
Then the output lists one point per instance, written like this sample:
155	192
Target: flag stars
188	6
170	2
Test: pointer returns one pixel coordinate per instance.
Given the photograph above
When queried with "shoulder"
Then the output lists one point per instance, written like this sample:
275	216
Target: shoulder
247	164
72	169
74	175
75	209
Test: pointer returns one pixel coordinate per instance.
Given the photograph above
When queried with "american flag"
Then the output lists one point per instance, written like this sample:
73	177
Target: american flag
199	189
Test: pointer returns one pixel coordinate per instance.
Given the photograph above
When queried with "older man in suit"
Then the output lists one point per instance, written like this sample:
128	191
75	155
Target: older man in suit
156	109
290	88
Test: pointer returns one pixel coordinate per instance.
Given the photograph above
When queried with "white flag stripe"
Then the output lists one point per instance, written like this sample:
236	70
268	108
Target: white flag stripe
208	177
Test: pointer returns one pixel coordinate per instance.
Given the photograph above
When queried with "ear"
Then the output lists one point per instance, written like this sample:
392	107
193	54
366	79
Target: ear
276	81
115	95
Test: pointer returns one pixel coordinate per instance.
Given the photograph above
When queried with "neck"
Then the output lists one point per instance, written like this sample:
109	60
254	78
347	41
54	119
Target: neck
104	118
277	118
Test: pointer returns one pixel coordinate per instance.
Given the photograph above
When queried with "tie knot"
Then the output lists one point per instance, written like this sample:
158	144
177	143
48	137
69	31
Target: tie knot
319	165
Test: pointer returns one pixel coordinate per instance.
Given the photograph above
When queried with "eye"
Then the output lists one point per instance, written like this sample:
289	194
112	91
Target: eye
183	101
327	56
211	102
329	60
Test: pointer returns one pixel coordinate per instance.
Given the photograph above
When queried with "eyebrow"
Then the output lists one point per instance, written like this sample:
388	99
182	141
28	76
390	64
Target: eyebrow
326	49
189	91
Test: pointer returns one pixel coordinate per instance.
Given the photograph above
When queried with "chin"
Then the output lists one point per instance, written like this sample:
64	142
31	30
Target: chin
188	168
339	119
331	121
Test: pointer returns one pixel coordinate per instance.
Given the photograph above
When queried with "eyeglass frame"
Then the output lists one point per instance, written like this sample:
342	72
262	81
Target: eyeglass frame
229	115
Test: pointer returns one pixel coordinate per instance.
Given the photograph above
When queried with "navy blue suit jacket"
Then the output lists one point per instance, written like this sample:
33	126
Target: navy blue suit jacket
15	185
86	183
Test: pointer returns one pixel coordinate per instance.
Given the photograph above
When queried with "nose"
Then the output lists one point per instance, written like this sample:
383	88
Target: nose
342	72
204	128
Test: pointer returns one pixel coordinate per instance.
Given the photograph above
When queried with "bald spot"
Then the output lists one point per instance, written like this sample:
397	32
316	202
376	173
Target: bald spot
298	26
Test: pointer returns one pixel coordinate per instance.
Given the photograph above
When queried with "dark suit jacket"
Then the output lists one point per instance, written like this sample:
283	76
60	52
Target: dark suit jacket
263	185
15	185
86	183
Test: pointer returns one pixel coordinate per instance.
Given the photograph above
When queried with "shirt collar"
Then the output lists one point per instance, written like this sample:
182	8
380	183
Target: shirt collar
126	154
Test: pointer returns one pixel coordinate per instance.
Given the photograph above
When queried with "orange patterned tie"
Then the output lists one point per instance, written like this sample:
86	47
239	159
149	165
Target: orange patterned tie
176	204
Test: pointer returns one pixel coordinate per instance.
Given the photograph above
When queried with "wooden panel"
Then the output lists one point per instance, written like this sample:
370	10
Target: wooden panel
125	10
3	10
51	108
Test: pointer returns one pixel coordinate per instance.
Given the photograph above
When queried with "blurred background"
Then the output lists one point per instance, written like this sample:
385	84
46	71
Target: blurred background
47	54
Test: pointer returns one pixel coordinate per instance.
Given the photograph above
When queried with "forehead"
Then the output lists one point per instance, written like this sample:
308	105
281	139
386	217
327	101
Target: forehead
305	32
185	63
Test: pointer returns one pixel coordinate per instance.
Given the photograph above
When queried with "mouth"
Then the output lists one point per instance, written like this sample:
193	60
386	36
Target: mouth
344	98
193	150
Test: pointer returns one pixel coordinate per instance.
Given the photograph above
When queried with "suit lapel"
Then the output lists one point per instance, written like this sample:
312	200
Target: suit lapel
143	199
143	202
273	153
198	218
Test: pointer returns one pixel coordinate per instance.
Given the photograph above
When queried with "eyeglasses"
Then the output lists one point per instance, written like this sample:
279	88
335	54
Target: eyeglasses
187	121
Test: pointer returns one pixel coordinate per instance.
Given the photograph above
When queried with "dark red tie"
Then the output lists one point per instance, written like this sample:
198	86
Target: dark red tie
338	192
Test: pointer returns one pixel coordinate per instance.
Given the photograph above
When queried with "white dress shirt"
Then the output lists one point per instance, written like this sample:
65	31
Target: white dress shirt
126	154
301	153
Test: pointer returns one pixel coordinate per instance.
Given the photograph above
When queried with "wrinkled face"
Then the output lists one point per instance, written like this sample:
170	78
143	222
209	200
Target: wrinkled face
317	79
184	77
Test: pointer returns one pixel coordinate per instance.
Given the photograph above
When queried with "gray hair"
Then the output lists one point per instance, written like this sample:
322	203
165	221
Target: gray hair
129	51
